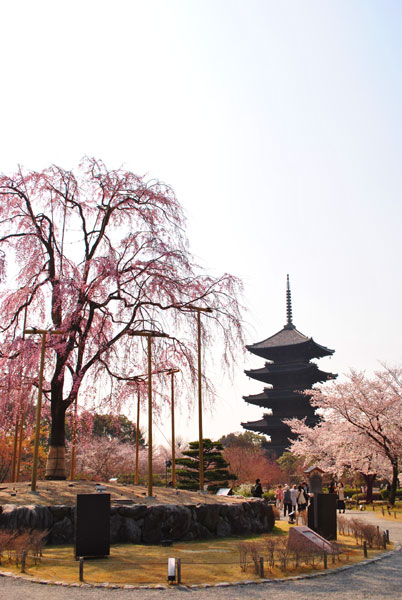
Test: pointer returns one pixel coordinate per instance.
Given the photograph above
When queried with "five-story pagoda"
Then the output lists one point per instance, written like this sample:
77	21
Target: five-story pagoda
288	371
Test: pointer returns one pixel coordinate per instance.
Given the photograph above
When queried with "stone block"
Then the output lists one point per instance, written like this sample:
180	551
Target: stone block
302	537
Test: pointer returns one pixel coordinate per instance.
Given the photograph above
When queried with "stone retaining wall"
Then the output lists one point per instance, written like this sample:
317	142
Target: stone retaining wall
148	524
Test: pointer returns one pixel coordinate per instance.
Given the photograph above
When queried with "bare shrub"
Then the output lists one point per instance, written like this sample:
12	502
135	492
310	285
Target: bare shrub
20	544
6	538
255	553
356	526
243	555
283	553
369	533
36	542
270	548
342	524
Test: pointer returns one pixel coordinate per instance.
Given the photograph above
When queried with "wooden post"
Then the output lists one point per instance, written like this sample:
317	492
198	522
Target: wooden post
325	560
365	549
81	569
199	310
200	433
172	373
149	340
38	414
173	435
17	474
149	335
21	415
23	561
178	567
137	436
262	567
15	447
43	333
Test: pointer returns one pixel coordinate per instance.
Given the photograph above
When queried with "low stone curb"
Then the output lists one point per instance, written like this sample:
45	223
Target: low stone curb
114	586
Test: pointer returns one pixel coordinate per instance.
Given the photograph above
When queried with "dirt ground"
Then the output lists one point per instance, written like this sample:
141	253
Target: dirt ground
64	492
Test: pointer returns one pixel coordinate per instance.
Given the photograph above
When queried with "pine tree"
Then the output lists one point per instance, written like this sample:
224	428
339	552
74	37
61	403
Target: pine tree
215	467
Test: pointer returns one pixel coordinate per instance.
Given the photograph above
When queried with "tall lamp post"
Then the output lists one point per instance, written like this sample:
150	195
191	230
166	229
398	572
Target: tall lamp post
172	372
43	333
149	335
199	310
137	380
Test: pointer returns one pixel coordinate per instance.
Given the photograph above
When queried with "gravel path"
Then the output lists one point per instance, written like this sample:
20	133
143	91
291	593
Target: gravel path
369	582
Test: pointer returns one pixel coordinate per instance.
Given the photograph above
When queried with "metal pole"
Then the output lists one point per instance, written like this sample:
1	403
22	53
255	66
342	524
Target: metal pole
200	439
173	437
137	437
38	413
149	337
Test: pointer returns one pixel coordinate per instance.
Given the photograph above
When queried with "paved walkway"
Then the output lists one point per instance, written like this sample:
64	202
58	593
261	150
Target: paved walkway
373	581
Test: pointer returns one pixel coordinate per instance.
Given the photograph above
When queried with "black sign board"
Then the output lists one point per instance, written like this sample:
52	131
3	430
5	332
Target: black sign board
92	525
322	517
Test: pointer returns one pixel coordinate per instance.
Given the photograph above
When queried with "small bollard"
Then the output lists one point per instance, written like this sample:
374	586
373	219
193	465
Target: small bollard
394	514
178	568
382	511
171	570
387	532
23	561
262	567
384	540
81	568
365	549
325	560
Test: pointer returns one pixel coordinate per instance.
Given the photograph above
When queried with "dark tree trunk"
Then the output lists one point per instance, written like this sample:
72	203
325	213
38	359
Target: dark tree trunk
56	463
369	485
394	482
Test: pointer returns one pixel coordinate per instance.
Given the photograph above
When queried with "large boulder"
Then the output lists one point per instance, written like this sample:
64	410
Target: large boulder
165	522
62	532
25	517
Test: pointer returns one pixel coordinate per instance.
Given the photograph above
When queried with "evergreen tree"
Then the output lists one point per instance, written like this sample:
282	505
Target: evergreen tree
215	467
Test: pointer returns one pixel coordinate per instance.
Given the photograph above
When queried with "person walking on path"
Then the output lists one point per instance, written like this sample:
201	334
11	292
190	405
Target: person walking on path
287	501
301	499
293	495
279	497
341	497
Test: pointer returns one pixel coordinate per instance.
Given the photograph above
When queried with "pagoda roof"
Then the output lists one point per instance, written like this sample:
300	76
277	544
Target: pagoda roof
270	372
287	338
277	397
271	422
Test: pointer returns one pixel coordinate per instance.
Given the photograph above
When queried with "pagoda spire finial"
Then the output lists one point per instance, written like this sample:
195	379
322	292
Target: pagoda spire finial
289	323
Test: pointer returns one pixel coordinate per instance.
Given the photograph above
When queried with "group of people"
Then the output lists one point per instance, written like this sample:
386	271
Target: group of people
289	498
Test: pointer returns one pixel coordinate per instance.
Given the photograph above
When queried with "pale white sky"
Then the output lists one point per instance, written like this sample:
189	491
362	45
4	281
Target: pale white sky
278	124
